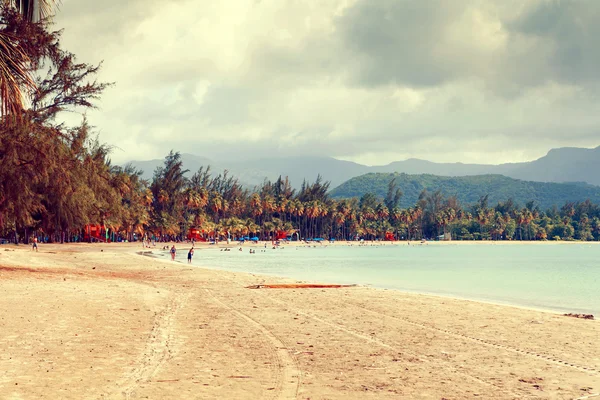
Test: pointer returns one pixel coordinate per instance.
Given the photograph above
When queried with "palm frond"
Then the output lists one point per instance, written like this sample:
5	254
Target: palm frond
35	10
14	76
46	7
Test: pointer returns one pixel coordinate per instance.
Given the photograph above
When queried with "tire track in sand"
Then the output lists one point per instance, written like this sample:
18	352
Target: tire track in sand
537	355
379	342
158	348
288	380
392	347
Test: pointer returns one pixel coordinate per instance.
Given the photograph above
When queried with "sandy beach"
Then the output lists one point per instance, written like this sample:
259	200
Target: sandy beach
102	322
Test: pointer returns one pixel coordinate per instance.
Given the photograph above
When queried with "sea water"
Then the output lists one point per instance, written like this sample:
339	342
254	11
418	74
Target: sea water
558	277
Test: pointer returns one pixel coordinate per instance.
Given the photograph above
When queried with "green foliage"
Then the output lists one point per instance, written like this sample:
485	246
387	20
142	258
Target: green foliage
52	177
393	196
469	189
368	200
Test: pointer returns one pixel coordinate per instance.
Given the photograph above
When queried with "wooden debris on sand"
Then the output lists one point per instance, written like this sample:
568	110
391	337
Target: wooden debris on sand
297	286
582	316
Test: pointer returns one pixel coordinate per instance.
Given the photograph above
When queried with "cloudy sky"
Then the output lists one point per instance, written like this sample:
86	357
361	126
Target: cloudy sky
371	81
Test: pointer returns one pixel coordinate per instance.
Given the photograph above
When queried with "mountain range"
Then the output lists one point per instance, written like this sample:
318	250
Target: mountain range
567	164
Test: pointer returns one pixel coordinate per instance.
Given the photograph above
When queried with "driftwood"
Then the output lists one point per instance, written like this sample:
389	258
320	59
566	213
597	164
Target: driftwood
297	286
582	316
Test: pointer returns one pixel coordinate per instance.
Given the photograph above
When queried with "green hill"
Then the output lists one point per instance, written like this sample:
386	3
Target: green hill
468	189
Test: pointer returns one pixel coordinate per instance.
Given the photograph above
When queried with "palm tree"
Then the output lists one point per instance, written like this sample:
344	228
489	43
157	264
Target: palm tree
216	205
416	215
282	207
382	211
268	204
15	74
236	206
251	227
498	225
596	227
289	229
406	220
256	206
527	216
368	213
312	211
225	207
210	228
449	215
34	10
340	220
298	211
200	219
192	199
268	229
483	218
324	211
239	229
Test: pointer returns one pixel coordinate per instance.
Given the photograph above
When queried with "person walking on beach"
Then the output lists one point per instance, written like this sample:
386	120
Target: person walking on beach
35	244
173	251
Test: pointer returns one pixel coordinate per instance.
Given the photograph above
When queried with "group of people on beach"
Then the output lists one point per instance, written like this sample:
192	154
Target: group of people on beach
173	252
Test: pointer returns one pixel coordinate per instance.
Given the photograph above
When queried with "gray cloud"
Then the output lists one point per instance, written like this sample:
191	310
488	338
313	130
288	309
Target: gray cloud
368	80
401	42
567	32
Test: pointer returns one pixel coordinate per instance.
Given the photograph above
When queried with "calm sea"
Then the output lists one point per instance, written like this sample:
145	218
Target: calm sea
559	277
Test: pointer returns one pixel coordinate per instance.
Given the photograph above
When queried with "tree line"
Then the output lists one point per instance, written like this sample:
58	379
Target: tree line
55	179
169	204
222	207
468	189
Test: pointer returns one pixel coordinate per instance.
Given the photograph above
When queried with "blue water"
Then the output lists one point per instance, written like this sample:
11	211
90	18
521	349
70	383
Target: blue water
559	277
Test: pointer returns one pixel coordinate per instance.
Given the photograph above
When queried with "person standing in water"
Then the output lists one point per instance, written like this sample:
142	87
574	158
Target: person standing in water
173	251
190	255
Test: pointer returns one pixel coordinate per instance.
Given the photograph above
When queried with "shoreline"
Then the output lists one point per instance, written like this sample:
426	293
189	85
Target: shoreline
439	296
105	322
444	295
368	243
203	245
